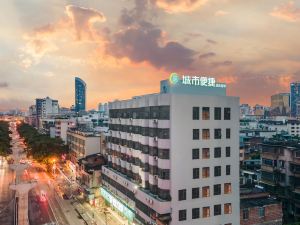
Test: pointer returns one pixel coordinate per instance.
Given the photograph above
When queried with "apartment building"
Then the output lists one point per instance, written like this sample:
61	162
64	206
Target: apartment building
293	127
258	207
280	173
61	127
81	145
173	157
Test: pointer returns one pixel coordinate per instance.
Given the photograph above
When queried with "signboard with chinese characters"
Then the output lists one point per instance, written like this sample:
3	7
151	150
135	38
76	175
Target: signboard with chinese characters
195	80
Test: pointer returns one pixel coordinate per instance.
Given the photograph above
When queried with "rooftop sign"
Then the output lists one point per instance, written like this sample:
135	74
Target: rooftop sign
195	81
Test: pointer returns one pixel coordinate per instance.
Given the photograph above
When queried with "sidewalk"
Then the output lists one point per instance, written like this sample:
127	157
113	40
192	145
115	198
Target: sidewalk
92	215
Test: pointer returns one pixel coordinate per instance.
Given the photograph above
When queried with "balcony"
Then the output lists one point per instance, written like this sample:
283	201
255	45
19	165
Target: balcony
267	168
269	155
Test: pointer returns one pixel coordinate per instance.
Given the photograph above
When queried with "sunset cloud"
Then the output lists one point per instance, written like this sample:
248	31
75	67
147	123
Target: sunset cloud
207	55
141	43
288	12
179	6
83	19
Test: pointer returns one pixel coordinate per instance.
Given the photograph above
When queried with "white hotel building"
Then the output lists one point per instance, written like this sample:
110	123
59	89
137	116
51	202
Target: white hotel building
174	156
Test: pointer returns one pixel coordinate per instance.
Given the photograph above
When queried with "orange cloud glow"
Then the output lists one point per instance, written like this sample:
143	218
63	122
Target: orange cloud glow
178	6
287	12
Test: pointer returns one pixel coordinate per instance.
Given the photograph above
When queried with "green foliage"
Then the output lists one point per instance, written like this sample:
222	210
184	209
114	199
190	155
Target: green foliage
4	138
40	146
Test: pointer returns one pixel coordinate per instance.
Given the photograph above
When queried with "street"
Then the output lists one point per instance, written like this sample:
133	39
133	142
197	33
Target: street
6	195
46	204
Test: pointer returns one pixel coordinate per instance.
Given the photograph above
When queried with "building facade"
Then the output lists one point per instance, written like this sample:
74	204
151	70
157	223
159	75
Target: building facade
80	95
259	208
81	145
280	104
173	157
46	107
280	174
295	99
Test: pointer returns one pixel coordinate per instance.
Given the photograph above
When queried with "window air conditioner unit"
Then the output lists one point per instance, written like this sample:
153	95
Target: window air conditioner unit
155	158
155	120
156	139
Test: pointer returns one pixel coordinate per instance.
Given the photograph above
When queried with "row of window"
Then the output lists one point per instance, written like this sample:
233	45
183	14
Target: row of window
205	191
206	153
162	133
217	210
206	171
150	112
206	113
145	149
206	134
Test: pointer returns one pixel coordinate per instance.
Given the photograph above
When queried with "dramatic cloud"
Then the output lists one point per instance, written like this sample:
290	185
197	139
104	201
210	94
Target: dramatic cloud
287	12
207	55
83	18
178	6
3	84
141	43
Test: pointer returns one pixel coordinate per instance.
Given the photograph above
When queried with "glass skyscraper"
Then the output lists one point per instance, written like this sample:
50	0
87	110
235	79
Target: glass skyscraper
80	94
295	99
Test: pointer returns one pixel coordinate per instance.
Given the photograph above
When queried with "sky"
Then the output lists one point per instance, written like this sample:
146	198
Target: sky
123	48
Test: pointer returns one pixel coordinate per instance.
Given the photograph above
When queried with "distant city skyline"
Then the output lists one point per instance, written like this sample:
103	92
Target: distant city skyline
123	49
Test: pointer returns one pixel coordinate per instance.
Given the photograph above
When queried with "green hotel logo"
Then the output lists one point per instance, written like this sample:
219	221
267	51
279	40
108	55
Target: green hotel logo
174	78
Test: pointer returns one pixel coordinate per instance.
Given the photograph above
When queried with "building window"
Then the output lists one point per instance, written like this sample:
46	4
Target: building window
206	212
205	113
205	134
261	211
245	214
227	114
217	171
205	172
217	189
195	173
227	208
182	214
227	133
217	152
195	193
227	169
205	153
182	195
205	192
218	134
196	153
195	213
217	113
227	151
195	113
196	134
164	153
217	210
227	188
